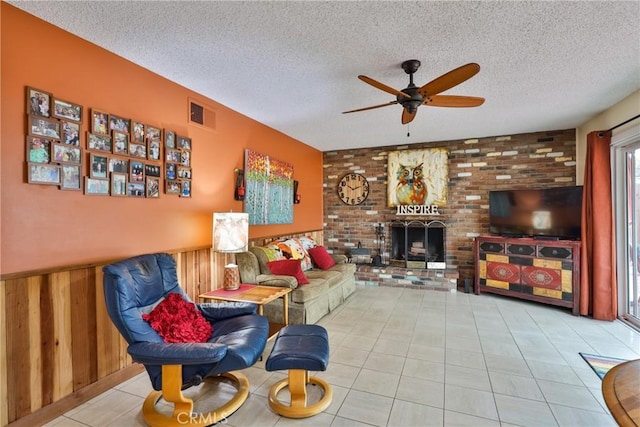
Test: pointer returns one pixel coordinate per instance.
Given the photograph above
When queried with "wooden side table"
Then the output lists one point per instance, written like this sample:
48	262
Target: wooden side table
256	294
621	391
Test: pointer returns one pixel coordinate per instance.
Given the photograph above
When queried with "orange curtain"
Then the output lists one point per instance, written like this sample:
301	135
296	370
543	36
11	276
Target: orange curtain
598	284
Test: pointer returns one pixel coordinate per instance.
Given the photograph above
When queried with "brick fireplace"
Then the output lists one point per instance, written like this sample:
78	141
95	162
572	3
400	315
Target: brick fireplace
475	166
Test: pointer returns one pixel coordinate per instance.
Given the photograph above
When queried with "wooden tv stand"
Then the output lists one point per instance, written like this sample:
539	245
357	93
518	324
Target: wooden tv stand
546	271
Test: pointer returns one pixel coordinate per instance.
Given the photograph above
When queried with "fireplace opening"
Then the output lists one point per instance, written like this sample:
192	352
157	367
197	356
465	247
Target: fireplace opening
418	244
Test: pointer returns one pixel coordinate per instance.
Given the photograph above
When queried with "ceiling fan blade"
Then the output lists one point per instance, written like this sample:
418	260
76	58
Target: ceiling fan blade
407	116
370	108
453	101
383	87
449	80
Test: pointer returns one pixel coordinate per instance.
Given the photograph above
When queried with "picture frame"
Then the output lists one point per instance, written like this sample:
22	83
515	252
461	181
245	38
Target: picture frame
135	189
70	133
154	151
153	188
136	171
169	139
63	153
171	171
43	173
66	110
184	143
71	177
39	149
96	186
137	132
184	173
172	155
99	122
185	188
172	187
41	126
118	184
98	166
153	132
38	102
119	123
120	142
152	170
185	158
98	142
118	165
138	150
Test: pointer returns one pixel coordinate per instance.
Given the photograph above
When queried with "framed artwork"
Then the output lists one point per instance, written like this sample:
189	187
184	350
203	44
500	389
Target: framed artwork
152	170
153	188
153	132
169	139
38	149
118	165
71	177
172	187
99	122
120	142
96	187
185	188
137	132
185	158
417	177
38	102
67	110
118	184
70	133
171	170
98	142
138	150
39	126
135	189
136	171
269	189
63	153
155	146
98	166
119	124
172	155
184	173
40	173
184	143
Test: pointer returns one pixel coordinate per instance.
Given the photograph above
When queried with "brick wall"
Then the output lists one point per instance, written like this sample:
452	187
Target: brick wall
532	160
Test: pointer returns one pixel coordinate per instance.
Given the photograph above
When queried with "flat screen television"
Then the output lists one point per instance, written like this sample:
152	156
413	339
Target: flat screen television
553	213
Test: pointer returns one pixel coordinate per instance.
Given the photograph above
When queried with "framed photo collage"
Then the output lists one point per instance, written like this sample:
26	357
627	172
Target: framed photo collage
124	157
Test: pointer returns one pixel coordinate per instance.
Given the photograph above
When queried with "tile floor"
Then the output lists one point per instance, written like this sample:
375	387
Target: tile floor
406	357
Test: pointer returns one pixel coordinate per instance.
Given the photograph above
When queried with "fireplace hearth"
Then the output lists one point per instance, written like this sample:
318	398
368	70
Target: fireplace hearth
418	244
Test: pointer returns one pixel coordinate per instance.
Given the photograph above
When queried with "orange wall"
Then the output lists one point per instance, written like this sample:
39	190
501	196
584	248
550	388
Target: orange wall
44	227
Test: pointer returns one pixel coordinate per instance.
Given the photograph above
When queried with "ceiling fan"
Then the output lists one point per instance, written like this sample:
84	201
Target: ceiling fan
412	96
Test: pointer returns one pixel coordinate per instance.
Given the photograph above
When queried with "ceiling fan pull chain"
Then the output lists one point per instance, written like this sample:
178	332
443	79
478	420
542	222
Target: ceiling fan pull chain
408	130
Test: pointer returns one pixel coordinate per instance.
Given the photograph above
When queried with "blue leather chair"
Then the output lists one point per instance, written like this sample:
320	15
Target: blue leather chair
134	287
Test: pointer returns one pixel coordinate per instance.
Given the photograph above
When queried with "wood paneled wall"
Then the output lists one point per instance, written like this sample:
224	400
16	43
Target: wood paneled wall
58	346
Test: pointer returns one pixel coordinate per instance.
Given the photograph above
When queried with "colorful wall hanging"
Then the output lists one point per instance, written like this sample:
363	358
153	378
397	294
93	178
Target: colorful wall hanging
417	177
269	189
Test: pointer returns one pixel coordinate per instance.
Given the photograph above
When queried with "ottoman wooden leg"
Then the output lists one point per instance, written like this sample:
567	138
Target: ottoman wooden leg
297	382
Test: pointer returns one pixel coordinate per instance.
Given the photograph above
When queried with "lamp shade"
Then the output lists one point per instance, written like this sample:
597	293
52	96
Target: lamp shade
230	232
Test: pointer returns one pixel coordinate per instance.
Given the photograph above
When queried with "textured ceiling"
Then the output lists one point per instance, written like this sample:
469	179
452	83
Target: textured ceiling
294	65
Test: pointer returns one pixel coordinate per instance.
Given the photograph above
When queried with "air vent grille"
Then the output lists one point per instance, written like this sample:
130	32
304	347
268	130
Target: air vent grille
202	115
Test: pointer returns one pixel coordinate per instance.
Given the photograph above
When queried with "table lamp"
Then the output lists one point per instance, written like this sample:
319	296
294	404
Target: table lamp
230	235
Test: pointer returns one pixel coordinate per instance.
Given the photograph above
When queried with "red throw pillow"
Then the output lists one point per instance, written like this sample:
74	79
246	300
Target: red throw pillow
288	267
321	257
177	320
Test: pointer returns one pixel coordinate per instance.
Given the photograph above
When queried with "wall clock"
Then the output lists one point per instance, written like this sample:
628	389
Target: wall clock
353	189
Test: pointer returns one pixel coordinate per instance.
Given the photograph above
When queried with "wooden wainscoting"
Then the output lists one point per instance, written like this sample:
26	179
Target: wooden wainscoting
58	347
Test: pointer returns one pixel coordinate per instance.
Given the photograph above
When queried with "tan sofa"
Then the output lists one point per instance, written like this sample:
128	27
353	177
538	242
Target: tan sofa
308	303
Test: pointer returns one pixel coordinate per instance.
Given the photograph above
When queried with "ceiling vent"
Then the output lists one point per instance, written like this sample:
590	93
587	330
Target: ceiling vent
201	115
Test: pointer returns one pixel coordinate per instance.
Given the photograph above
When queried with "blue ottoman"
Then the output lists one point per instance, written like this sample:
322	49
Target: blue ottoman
300	349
